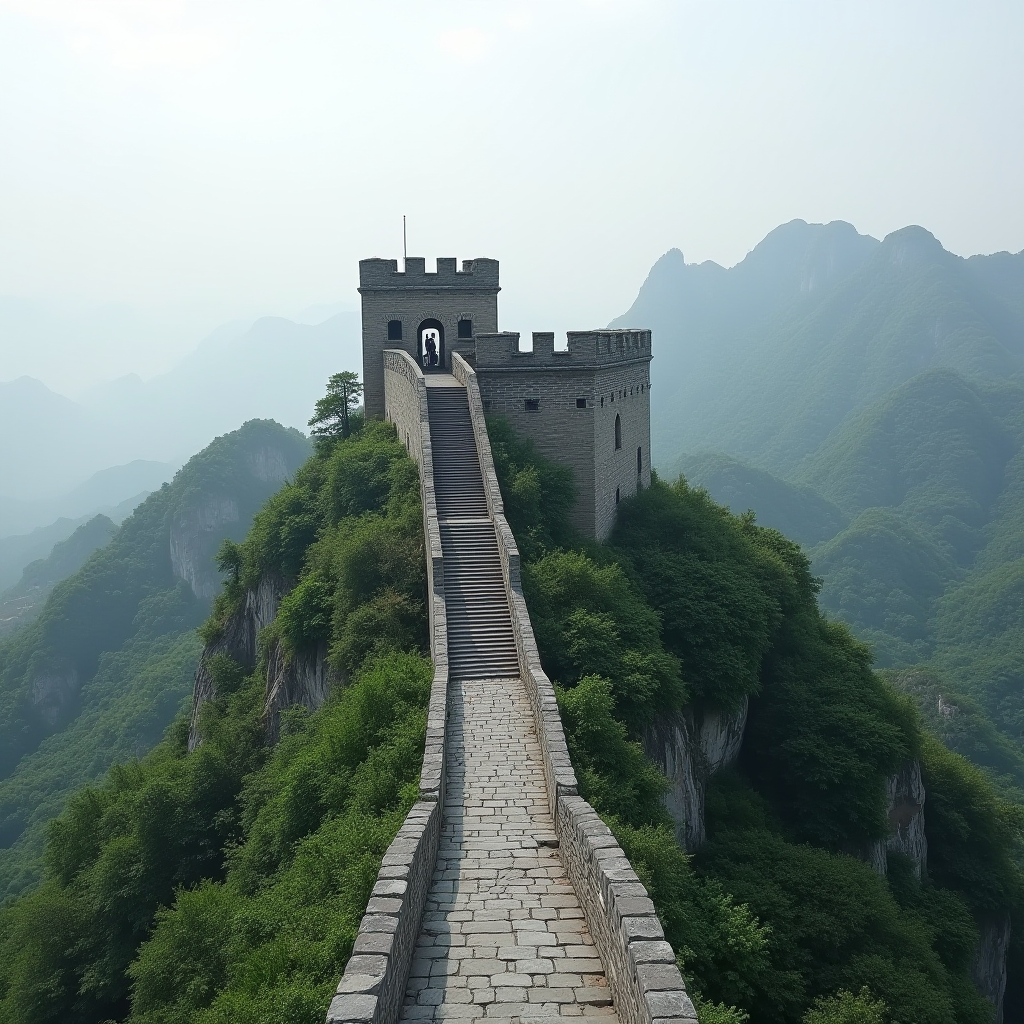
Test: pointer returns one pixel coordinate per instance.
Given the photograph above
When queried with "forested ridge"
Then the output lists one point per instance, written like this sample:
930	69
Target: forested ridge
227	884
106	663
866	398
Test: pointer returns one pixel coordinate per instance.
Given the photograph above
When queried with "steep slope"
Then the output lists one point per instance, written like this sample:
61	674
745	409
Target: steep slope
102	669
22	602
936	448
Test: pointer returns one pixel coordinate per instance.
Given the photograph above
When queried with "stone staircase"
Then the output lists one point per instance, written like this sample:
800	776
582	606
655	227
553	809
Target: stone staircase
481	644
503	896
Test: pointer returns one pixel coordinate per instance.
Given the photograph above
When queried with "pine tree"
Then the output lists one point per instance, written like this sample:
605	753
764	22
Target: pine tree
331	417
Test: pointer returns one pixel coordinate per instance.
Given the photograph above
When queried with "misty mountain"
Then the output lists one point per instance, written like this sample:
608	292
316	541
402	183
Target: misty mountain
22	602
274	369
114	492
767	380
866	399
102	668
797	510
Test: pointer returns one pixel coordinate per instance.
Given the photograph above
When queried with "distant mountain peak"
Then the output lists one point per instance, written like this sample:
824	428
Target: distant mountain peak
912	246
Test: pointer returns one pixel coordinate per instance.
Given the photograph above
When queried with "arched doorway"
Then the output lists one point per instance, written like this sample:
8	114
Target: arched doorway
430	331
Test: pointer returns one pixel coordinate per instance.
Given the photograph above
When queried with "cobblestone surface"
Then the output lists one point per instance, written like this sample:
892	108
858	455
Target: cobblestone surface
503	933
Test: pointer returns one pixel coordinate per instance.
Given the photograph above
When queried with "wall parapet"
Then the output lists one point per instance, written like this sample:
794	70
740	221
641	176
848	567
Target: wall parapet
500	349
476	275
372	989
640	964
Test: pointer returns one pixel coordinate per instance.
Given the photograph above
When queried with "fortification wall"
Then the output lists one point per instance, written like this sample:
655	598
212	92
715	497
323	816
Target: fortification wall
640	965
372	988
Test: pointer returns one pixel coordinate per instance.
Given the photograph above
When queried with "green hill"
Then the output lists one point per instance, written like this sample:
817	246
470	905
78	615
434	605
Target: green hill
22	602
799	511
226	883
100	672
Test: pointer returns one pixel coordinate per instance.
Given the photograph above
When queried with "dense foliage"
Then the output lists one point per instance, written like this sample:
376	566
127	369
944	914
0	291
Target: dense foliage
227	884
102	670
773	916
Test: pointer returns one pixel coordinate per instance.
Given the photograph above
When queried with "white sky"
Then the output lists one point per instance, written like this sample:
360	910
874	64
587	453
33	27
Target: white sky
211	160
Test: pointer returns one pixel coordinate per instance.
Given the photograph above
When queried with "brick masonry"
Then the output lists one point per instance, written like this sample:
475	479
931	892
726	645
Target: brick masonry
413	296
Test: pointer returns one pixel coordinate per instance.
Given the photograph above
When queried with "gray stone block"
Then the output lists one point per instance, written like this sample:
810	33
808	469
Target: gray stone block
651	952
669	1004
659	978
351	1009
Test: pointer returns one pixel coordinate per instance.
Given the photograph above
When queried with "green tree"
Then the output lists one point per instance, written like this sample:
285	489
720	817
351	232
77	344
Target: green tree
846	1008
331	418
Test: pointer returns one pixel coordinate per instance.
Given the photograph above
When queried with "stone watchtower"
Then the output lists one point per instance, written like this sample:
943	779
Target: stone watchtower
586	407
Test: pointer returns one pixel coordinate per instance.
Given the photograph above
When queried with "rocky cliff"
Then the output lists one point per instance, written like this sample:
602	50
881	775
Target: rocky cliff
906	798
196	534
989	967
690	747
303	679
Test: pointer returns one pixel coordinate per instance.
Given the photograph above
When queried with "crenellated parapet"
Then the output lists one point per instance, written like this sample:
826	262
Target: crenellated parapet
585	349
478	275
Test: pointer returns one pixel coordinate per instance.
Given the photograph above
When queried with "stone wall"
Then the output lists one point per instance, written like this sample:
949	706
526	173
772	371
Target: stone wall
372	988
566	403
640	965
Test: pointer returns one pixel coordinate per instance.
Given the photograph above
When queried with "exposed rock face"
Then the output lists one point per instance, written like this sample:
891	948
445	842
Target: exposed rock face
906	798
194	540
268	464
690	747
52	691
989	967
304	680
238	641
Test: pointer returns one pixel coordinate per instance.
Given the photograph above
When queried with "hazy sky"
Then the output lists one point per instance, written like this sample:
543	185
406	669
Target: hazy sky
198	162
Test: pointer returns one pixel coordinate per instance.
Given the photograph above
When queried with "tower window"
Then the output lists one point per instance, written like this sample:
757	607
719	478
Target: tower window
465	328
618	432
581	403
533	405
639	461
394	330
616	495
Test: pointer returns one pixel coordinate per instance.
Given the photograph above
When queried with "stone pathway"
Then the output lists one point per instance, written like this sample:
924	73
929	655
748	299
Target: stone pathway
503	933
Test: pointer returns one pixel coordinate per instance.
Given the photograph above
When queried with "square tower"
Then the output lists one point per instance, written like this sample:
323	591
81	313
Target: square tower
399	308
587	407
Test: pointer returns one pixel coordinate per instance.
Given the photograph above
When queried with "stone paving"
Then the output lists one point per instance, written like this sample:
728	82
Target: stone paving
503	933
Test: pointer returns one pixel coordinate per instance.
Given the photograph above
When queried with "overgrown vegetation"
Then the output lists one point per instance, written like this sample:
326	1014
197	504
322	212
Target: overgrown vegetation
773	917
227	884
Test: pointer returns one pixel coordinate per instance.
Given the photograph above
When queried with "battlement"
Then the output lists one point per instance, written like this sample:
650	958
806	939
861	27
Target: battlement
383	275
586	348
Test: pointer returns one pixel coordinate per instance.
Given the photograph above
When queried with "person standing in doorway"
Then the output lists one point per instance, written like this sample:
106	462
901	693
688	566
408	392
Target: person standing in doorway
431	347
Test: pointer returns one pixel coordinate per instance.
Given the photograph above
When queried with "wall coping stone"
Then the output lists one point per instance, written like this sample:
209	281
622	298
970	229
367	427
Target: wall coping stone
617	907
372	989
